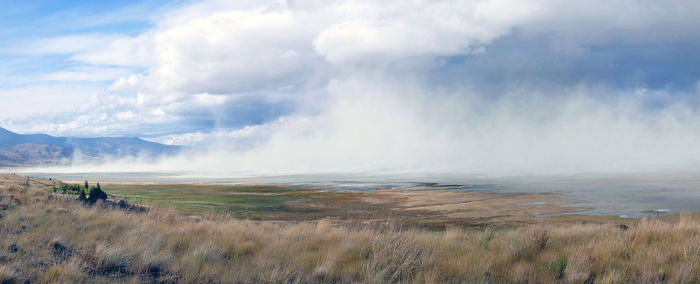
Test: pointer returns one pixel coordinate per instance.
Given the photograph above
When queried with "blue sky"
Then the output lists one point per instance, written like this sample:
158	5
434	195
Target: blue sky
45	18
292	76
24	22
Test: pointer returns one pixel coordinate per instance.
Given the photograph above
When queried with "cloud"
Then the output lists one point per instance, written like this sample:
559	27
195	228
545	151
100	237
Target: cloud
87	74
227	139
30	101
381	31
127	83
467	86
225	52
224	48
67	44
116	50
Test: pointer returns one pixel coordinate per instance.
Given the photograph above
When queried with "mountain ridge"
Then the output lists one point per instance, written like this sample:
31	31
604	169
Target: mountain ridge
43	149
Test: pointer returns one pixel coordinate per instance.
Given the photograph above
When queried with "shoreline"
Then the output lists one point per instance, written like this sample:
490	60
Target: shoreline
624	196
421	205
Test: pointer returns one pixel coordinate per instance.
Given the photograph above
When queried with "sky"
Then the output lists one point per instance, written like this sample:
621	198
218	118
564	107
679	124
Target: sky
492	86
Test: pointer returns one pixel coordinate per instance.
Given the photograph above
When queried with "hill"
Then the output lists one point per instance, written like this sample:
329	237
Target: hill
41	149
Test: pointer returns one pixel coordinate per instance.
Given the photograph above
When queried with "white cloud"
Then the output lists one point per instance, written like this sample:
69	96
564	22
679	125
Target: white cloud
68	44
23	102
87	74
128	83
381	30
226	139
222	47
223	52
117	51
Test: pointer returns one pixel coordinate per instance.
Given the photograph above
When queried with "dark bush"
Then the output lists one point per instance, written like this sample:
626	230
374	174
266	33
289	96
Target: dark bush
96	194
75	189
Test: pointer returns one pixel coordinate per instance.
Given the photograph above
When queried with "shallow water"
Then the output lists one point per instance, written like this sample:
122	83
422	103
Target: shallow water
627	195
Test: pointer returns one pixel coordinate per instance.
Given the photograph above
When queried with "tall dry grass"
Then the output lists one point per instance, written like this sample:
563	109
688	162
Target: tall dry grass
49	239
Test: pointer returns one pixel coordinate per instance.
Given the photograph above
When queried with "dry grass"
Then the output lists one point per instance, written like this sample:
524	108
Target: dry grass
47	238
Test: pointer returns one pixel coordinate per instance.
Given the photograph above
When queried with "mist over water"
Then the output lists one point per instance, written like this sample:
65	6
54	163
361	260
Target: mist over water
619	155
391	128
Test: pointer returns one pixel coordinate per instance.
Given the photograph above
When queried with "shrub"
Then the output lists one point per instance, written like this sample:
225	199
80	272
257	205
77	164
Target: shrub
112	258
531	243
96	194
75	189
394	260
558	267
63	188
67	272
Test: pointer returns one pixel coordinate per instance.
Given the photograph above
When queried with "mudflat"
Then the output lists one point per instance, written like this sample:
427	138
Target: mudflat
424	207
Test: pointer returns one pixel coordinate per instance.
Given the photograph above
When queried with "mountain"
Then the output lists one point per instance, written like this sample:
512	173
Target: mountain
41	149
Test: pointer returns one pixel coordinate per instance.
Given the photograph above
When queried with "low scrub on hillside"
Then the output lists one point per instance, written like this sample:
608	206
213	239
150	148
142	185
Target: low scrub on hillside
50	238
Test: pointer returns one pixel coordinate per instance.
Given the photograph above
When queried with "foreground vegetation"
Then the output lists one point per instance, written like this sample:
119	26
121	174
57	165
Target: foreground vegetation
48	237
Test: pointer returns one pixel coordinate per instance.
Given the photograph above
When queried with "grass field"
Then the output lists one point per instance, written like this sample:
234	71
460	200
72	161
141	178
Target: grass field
195	198
54	238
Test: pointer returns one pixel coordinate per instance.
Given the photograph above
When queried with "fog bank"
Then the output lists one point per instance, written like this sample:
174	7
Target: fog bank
379	127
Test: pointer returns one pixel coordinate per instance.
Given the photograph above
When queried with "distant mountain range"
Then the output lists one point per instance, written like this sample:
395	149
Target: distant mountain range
41	149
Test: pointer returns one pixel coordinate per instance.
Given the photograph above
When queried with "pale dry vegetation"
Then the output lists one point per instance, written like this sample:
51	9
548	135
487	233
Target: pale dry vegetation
47	238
